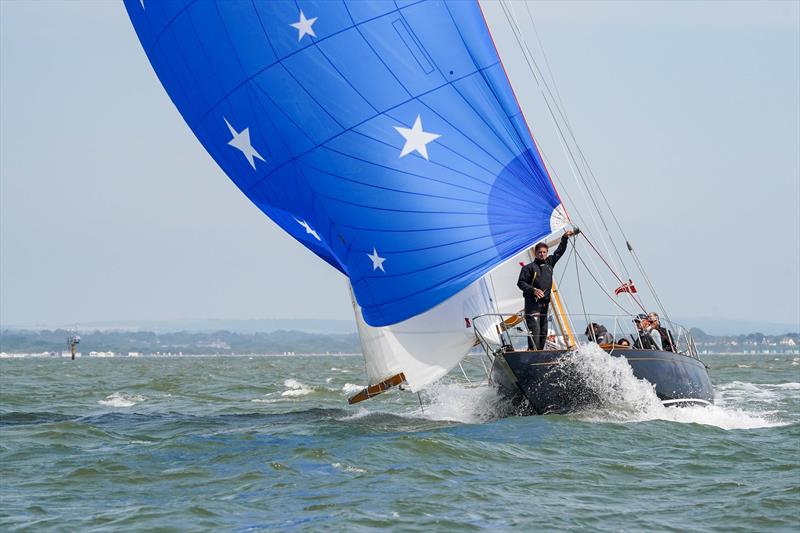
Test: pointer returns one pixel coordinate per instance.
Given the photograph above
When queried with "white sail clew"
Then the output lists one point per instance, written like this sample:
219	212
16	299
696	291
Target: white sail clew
426	347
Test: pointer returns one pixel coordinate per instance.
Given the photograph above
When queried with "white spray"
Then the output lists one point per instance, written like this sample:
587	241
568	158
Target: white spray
618	397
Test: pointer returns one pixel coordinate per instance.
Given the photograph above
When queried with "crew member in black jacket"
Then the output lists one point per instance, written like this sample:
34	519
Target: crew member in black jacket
536	281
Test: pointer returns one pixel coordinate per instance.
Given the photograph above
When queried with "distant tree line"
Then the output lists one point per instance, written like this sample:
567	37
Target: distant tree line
758	338
218	342
788	342
278	342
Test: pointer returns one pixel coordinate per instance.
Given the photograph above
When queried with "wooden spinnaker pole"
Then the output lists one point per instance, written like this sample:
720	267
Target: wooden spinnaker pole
378	388
559	313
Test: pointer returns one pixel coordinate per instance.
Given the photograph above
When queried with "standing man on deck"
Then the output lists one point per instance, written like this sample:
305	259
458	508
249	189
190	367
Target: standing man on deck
535	282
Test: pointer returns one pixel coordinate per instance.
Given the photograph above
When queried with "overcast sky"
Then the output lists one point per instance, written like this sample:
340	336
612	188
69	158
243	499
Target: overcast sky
688	112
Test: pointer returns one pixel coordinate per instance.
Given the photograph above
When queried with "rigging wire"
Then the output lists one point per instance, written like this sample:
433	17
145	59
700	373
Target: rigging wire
561	109
566	265
563	113
559	106
580	289
621	282
492	291
464	372
571	160
650	285
569	126
533	67
584	160
601	286
565	118
546	61
561	137
580	220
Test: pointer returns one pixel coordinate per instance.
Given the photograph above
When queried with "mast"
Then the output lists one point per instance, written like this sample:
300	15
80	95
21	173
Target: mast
580	168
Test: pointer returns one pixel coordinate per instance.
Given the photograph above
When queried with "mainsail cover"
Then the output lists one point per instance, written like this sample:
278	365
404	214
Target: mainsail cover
383	135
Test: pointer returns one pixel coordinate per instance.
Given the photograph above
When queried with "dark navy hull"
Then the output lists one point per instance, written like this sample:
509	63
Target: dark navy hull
538	384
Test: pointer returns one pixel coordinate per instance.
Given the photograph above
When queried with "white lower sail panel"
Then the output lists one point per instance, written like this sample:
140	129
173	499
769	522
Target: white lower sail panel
429	345
426	347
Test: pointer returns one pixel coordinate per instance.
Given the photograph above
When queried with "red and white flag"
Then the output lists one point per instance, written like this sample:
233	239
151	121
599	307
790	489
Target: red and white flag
626	287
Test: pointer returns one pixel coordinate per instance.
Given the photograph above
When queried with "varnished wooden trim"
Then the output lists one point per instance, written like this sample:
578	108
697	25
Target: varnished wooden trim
511	321
374	390
677	362
615	347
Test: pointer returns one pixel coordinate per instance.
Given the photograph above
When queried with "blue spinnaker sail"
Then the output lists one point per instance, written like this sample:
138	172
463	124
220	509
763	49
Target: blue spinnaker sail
382	135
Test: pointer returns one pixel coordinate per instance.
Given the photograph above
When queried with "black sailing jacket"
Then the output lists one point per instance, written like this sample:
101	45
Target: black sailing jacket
539	275
667	341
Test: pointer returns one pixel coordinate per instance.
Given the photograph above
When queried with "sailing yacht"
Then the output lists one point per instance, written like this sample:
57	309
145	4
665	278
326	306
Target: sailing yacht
386	138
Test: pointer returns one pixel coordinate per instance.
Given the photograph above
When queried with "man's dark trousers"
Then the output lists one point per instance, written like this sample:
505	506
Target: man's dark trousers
536	319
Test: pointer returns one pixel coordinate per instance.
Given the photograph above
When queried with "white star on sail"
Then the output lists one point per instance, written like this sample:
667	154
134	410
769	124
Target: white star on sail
377	261
241	141
416	138
304	26
308	229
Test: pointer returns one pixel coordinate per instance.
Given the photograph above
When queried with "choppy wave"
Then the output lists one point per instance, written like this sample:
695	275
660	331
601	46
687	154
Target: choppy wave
295	389
447	402
266	400
119	399
351	388
220	432
465	403
348	468
360	412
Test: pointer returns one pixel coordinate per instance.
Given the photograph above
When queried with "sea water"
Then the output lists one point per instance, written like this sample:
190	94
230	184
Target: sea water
256	442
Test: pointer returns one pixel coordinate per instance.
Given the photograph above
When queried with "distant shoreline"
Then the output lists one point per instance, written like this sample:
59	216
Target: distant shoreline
712	326
277	343
55	355
122	356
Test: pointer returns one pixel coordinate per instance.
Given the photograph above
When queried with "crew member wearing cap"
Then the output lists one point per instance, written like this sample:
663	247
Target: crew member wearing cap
667	340
641	339
649	339
535	282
